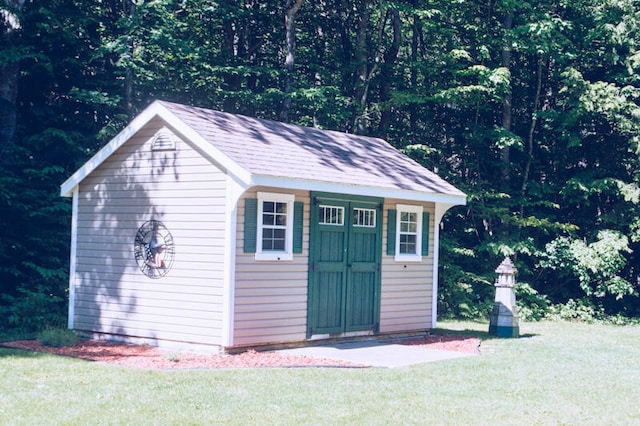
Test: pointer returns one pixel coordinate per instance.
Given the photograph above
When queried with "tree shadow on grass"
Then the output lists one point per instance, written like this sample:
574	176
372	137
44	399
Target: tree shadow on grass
10	335
479	334
6	352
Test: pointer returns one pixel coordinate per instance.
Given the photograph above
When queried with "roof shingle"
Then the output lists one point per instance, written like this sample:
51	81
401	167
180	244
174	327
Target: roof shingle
270	148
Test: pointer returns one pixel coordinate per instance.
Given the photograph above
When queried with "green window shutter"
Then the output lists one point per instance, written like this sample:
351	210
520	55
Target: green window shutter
250	224
425	233
298	213
391	232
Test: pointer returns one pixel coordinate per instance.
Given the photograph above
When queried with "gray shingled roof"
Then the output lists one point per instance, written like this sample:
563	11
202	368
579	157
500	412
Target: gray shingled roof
270	148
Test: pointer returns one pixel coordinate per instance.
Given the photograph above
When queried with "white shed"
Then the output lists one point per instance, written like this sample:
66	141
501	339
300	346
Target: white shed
197	227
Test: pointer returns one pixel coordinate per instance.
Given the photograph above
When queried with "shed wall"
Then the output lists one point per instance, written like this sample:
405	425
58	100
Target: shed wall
187	193
270	296
407	287
270	299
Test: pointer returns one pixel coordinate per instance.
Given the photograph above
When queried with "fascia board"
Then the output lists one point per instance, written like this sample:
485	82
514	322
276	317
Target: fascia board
403	194
155	109
233	168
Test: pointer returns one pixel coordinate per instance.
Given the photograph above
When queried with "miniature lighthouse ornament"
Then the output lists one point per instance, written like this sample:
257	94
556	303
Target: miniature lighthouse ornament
504	317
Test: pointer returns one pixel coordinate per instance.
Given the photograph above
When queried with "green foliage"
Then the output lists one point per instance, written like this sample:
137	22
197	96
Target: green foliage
542	185
462	294
33	262
586	311
31	310
582	310
58	337
596	265
532	306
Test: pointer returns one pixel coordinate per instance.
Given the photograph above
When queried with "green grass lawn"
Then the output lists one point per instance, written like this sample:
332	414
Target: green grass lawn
557	373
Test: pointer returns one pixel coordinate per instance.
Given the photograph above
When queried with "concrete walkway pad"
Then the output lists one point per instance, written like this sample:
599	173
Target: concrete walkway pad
388	355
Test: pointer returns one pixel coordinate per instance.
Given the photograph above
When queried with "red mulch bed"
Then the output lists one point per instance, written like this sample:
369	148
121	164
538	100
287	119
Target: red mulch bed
149	357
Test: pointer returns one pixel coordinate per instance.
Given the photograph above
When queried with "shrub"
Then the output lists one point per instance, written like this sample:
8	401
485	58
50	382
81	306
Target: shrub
581	310
30	311
532	306
464	295
596	265
584	310
57	337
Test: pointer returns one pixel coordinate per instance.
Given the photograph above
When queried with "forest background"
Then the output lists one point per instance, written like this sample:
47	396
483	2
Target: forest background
530	107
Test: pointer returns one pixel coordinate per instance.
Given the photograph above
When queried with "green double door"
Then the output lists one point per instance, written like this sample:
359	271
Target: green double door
344	264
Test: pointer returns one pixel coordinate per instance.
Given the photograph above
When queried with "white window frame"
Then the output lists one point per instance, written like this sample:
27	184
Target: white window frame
337	208
409	257
372	215
287	253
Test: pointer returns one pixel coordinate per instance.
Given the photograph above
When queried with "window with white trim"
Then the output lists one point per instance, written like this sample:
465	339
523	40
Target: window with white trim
275	226
408	233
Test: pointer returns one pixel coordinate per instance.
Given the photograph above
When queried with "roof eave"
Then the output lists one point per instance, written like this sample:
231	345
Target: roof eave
454	199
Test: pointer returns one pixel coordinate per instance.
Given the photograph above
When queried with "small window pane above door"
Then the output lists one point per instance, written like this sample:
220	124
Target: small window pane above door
331	215
365	218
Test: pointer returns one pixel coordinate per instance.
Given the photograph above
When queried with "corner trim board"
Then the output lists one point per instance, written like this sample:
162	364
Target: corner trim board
72	260
235	190
440	210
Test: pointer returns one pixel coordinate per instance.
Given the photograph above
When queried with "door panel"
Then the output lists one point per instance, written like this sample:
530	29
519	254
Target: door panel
360	302
344	275
363	264
329	295
332	245
328	268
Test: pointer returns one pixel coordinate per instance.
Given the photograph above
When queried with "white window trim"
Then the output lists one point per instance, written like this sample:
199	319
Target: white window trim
287	254
374	216
403	257
342	215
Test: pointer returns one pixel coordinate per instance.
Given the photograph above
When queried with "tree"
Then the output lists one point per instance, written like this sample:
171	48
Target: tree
293	7
11	55
531	108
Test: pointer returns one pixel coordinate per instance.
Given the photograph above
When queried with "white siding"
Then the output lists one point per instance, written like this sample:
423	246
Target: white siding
270	296
406	286
135	184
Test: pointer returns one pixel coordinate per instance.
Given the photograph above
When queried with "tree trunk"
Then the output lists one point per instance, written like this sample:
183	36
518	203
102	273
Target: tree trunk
362	84
386	71
227	50
506	102
346	76
129	74
532	129
290	25
417	49
9	72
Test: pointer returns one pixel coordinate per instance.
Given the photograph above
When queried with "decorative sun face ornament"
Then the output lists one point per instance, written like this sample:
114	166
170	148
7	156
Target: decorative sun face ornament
153	249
